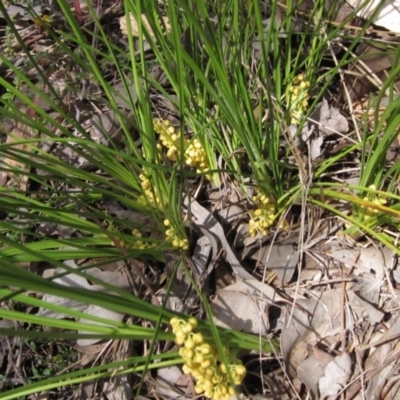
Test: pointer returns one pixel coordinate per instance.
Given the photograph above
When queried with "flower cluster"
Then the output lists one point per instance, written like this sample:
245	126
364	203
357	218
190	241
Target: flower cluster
298	98
44	21
170	138
195	156
140	244
202	361
371	198
174	238
263	216
136	244
149	192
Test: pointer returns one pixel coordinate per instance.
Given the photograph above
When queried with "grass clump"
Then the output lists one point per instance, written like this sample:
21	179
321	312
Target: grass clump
209	100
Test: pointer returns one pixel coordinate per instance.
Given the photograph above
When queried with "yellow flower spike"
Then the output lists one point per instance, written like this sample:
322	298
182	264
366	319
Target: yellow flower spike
193	321
190	364
240	370
186	354
186	369
184	245
190	344
198	358
304	85
298	98
169	232
299	78
198	337
203	362
146	185
180	335
187	327
199	389
216	378
197	373
205	348
208	385
223	389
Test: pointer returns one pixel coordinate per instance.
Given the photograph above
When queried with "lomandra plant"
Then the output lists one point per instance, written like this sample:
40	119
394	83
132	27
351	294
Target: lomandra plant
230	123
41	187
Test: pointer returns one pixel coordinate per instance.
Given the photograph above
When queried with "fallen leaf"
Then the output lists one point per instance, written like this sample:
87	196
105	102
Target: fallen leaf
277	258
337	374
244	306
327	120
167	382
74	280
97	311
323	122
312	369
313	321
380	366
369	264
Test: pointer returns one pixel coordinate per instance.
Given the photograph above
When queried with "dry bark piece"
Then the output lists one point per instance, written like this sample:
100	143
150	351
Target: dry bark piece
135	28
383	13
